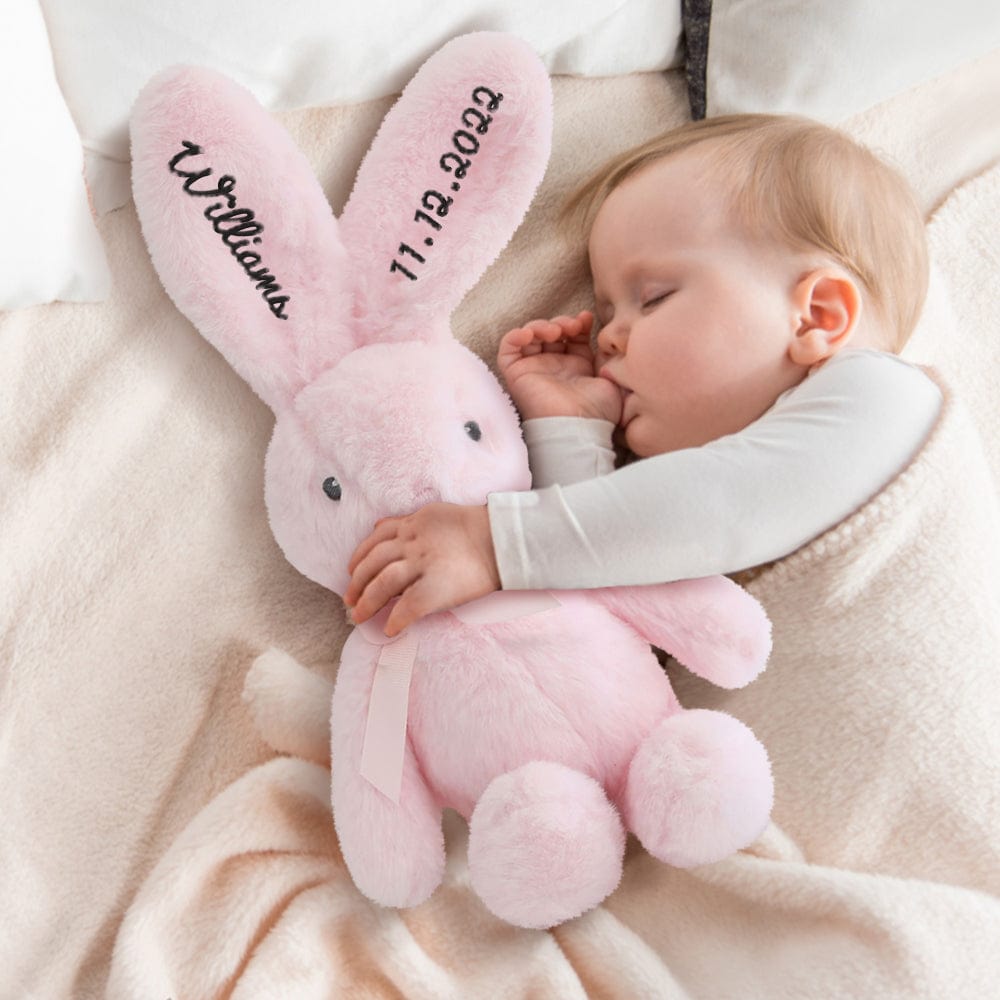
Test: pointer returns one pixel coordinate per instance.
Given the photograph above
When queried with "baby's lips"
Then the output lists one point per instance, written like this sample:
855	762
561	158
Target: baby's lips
605	374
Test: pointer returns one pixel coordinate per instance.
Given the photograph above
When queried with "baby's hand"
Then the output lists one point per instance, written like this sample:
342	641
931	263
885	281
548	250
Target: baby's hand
548	367
435	559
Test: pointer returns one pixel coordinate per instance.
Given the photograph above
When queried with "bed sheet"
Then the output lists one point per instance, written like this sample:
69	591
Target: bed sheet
139	582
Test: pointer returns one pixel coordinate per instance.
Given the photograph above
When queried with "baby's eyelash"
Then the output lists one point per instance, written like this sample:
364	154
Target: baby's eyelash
656	300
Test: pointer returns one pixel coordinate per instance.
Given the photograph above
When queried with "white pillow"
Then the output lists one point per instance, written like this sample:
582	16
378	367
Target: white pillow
50	248
314	52
830	59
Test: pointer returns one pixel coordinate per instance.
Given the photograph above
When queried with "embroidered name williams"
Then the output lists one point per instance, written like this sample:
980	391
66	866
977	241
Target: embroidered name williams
238	227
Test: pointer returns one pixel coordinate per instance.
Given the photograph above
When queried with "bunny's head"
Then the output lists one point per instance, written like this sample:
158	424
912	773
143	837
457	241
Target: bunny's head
389	429
341	326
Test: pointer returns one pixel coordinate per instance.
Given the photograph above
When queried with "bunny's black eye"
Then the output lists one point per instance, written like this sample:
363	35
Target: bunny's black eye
472	429
331	488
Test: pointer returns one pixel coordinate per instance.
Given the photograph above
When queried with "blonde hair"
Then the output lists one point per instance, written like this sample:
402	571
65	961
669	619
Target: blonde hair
809	186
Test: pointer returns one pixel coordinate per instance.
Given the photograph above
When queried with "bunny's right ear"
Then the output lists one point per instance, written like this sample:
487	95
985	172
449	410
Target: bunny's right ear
447	180
239	230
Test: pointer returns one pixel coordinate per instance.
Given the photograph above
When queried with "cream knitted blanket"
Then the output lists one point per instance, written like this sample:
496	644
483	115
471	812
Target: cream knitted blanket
144	816
879	877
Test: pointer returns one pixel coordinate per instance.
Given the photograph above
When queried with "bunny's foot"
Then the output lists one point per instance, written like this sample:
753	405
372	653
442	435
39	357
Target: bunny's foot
699	788
545	845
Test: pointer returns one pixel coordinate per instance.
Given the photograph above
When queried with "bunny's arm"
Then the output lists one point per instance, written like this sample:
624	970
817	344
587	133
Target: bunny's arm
290	706
710	625
395	851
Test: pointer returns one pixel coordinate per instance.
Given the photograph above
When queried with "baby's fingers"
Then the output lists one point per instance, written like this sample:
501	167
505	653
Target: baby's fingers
538	332
391	581
564	335
412	606
575	326
518	343
542	334
558	330
585	318
384	529
370	559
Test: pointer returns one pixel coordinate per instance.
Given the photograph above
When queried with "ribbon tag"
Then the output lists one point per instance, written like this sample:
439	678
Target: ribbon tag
504	606
385	731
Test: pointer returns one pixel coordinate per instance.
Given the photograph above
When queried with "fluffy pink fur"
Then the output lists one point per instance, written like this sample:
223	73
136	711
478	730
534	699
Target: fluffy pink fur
545	730
544	824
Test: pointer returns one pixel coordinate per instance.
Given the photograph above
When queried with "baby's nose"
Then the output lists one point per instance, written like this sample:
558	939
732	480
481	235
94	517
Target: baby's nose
612	337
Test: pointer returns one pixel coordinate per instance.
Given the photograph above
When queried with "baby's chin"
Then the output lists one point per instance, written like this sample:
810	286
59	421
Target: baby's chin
632	444
639	437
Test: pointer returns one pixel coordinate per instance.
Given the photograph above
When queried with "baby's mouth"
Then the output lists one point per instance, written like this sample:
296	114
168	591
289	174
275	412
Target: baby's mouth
604	373
625	417
624	390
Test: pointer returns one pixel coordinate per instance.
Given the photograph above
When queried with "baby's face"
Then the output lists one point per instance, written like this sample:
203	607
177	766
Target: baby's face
696	316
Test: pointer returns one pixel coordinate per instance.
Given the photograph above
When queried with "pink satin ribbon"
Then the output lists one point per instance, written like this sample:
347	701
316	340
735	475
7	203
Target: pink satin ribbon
384	745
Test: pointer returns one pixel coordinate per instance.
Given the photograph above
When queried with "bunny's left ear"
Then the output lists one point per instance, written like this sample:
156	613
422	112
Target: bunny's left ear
239	230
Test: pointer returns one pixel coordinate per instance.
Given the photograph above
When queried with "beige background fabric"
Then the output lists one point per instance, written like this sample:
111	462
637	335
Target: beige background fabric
139	582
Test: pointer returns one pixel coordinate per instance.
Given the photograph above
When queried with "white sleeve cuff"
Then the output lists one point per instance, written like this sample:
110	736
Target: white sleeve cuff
509	537
568	449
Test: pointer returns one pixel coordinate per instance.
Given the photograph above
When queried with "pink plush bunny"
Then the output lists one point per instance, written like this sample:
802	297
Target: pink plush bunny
545	720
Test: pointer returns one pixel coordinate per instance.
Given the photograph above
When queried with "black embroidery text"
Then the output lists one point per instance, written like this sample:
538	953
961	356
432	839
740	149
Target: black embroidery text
456	162
238	227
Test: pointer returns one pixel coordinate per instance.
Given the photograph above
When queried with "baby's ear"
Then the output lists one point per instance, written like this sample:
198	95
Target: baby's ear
448	179
827	303
238	229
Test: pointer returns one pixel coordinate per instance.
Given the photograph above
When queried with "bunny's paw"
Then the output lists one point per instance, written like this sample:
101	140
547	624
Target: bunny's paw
290	706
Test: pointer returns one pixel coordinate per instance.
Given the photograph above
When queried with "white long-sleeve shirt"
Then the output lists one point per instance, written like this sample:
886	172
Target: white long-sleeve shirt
824	448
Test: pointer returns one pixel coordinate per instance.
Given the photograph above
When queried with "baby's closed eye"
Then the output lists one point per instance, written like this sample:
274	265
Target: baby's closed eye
651	301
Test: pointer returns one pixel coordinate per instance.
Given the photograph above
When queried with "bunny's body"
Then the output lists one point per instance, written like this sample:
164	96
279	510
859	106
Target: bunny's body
590	701
583	697
545	730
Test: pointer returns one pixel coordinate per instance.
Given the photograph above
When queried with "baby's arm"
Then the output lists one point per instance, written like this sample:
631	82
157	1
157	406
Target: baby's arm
566	450
737	502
